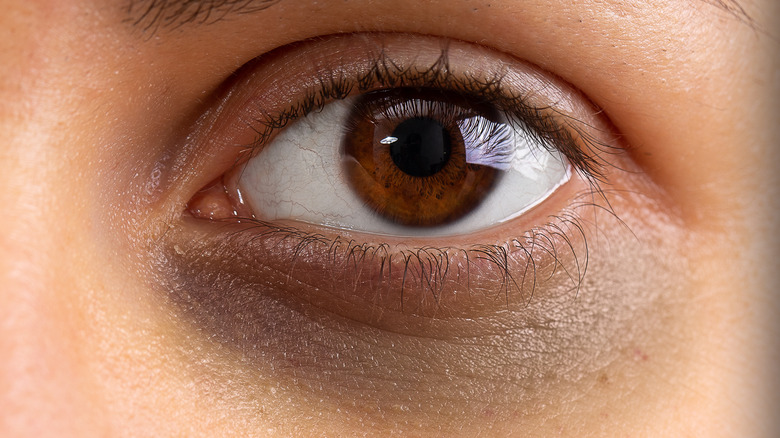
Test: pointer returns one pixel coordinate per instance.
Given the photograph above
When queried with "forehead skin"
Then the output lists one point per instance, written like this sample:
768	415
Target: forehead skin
92	95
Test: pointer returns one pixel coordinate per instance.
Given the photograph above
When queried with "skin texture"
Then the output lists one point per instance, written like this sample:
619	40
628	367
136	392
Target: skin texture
123	315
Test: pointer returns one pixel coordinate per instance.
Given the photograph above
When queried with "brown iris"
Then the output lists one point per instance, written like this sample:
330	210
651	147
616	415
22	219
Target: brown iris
405	155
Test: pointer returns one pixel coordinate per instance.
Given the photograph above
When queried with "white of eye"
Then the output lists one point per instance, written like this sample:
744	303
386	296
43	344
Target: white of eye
299	176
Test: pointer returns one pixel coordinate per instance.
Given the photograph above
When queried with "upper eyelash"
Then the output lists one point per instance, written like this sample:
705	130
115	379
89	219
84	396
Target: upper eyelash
553	130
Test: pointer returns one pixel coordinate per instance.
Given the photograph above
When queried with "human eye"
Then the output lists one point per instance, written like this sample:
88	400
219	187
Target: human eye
403	161
310	148
291	283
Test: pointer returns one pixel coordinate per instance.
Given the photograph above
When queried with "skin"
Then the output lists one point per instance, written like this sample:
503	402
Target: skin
119	309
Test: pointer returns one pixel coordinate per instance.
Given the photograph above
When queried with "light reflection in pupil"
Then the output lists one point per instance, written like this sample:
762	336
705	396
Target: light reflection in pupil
422	147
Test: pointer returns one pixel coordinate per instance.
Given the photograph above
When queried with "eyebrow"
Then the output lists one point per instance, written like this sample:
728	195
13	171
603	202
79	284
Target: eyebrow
151	15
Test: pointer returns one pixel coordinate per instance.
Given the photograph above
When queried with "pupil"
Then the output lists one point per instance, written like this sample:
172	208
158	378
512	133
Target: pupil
423	146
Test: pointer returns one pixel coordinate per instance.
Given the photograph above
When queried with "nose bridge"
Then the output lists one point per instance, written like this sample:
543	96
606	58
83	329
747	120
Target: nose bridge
44	390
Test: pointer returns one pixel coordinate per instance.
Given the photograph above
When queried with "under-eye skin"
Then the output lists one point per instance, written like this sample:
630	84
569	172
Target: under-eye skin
477	270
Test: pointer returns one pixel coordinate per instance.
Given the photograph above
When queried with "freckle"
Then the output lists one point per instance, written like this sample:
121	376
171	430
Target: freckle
603	379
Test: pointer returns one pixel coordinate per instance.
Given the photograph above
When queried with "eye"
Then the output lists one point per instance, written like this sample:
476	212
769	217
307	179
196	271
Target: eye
403	161
318	186
406	146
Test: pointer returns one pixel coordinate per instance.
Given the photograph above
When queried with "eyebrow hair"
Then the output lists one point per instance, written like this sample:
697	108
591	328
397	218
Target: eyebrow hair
151	15
734	8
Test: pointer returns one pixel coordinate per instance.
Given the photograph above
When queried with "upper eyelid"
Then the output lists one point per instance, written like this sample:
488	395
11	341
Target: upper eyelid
529	94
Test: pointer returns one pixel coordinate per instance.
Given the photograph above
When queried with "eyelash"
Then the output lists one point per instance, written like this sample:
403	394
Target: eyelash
543	128
541	247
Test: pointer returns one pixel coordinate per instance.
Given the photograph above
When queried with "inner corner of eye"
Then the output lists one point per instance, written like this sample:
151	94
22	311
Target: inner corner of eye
219	199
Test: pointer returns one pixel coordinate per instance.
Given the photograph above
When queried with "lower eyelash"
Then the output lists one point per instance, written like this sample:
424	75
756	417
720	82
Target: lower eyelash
558	248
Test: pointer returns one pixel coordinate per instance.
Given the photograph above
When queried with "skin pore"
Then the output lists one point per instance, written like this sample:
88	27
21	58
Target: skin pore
126	311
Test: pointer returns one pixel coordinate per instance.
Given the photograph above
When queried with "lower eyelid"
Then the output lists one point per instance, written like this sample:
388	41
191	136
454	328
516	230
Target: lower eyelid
385	278
258	293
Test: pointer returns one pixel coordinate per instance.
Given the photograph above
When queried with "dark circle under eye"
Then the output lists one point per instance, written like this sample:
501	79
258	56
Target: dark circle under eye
409	154
420	146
